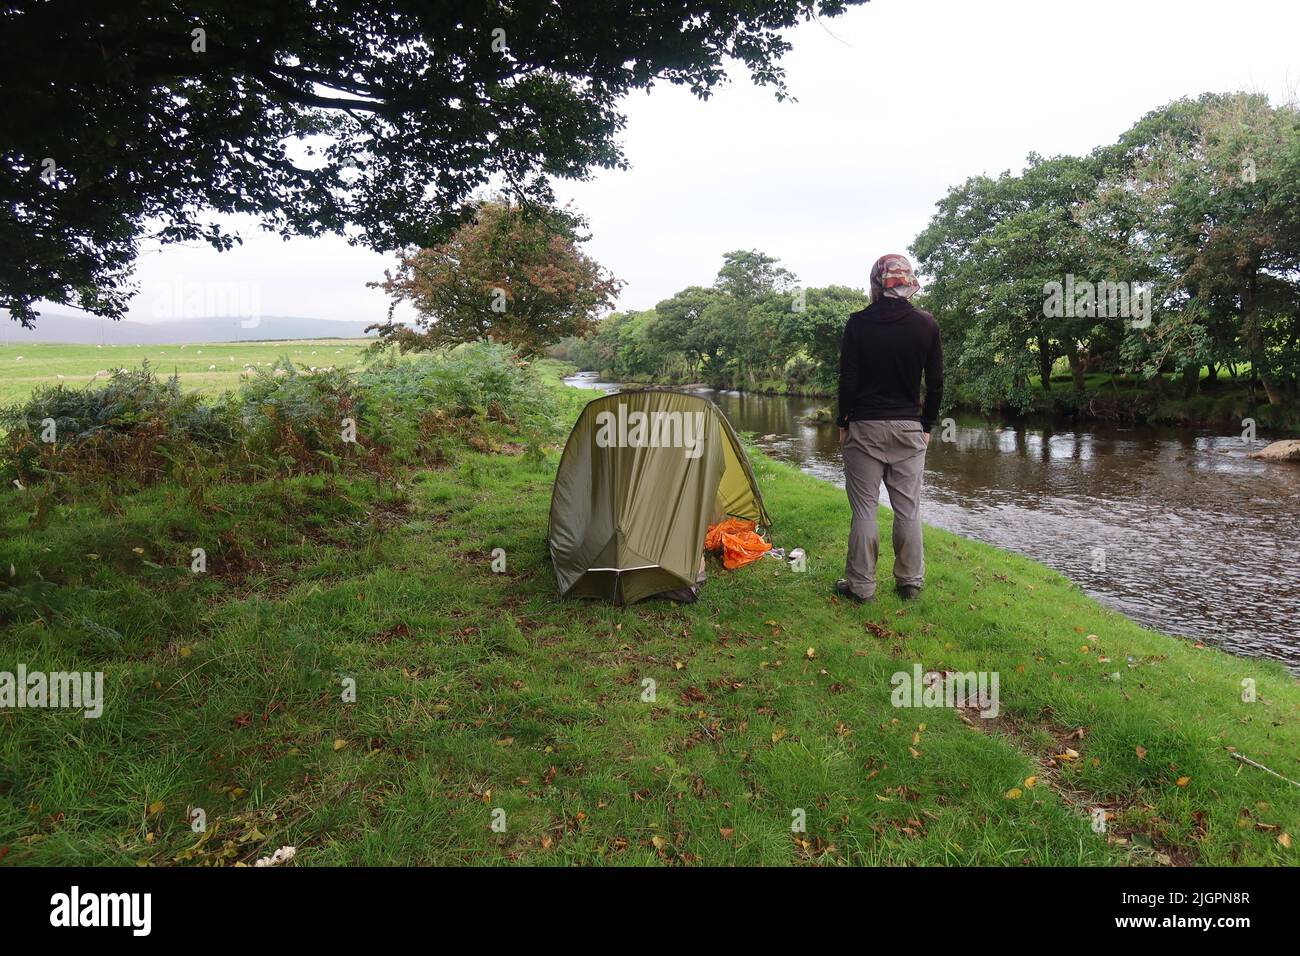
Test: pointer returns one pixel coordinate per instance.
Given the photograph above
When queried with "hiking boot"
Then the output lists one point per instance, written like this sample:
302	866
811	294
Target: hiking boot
908	592
843	590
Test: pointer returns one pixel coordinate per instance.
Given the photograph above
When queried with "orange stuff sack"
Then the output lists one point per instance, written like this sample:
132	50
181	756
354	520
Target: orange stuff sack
741	548
713	539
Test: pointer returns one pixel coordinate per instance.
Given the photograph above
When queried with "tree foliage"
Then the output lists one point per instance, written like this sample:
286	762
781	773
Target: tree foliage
510	275
1196	202
754	327
375	119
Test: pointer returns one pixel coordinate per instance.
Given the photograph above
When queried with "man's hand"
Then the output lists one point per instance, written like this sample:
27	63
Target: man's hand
844	433
927	438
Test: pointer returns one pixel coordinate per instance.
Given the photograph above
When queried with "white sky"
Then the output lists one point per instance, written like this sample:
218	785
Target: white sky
906	99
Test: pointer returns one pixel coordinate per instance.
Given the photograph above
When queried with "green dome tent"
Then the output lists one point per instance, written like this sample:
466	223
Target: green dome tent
643	475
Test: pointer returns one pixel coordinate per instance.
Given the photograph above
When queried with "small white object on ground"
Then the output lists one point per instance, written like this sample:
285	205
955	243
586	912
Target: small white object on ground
282	855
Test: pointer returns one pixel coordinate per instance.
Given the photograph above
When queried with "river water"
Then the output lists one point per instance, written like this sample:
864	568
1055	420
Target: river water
1175	528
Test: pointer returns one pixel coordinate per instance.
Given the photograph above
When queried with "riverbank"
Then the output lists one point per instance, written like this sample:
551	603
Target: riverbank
478	692
1105	399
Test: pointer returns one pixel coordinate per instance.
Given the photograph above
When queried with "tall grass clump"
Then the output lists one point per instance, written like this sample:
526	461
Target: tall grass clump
478	395
133	424
137	429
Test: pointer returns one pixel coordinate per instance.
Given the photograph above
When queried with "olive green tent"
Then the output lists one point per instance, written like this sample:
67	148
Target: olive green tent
643	475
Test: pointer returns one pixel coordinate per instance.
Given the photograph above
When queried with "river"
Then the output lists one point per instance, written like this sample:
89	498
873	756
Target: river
1175	528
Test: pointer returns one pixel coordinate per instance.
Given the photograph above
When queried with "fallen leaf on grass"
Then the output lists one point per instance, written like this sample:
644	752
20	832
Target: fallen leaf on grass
727	832
1013	794
340	743
1183	781
1284	839
1141	752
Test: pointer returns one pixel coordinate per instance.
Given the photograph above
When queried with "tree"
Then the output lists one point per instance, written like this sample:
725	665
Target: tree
993	247
509	275
127	120
681	323
1213	184
748	275
817	329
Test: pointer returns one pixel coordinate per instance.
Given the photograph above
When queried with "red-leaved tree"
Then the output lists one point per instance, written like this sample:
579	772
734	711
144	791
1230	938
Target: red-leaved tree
511	275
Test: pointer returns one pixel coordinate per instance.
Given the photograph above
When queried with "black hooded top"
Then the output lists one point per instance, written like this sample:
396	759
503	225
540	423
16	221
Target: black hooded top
886	348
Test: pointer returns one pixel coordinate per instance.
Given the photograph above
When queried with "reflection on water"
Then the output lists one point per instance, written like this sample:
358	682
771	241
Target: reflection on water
1175	528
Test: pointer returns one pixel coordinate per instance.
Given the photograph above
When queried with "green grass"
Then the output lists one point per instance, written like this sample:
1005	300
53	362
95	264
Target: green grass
43	363
478	691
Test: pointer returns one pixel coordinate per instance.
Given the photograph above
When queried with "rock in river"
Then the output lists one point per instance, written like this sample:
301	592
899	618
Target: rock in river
1287	450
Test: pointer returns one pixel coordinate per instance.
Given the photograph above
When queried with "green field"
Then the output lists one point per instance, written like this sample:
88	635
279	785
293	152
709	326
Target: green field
25	366
483	696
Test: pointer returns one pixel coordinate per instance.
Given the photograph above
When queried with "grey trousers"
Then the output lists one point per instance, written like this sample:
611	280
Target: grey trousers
892	451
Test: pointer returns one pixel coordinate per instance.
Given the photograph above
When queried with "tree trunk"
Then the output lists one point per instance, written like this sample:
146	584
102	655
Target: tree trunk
1254	340
1076	366
1045	362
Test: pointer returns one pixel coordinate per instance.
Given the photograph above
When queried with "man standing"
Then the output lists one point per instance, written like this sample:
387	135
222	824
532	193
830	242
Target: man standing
884	431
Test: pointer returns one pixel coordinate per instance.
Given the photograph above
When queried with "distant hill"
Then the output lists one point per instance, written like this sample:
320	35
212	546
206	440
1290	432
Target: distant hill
89	330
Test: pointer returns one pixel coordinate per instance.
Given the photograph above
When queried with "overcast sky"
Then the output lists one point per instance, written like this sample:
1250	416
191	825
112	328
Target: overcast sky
897	101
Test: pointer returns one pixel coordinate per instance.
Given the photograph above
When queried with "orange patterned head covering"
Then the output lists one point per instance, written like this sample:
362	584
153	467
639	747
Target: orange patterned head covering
892	276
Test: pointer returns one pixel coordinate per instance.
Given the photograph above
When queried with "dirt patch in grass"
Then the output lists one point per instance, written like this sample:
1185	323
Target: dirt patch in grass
1068	746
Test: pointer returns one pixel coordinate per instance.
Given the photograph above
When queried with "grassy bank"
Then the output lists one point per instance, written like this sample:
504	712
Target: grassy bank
478	691
1225	404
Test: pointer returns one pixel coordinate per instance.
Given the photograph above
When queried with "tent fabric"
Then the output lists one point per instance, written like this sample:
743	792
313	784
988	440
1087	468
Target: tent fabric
643	475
